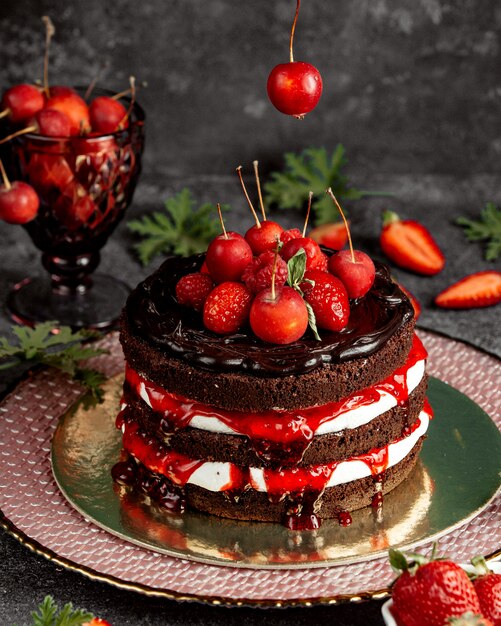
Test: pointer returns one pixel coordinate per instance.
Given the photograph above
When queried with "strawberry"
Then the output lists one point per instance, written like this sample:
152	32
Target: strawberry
97	621
227	308
328	298
291	233
410	245
192	290
488	587
257	275
429	591
332	235
475	290
469	619
415	303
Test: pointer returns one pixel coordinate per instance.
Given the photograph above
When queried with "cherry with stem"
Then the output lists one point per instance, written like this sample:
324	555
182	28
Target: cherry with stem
354	268
262	236
294	88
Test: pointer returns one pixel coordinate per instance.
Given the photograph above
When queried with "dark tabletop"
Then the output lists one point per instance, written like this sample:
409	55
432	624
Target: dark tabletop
411	90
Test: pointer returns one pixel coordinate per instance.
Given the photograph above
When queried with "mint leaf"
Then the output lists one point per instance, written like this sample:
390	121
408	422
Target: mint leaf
182	229
296	267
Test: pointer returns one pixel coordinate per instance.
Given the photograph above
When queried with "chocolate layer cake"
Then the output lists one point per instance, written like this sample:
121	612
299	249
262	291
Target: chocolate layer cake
242	429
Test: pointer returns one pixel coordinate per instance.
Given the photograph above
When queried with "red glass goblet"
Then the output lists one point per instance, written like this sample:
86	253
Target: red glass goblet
85	184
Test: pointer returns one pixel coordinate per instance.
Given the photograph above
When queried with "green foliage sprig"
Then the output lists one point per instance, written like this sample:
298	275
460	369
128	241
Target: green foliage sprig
63	350
181	229
313	170
487	228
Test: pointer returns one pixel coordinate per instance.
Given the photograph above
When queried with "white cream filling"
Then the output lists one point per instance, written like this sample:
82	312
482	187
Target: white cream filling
215	476
352	418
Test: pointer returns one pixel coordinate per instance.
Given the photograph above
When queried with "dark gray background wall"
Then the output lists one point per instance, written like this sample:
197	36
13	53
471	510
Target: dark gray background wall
409	85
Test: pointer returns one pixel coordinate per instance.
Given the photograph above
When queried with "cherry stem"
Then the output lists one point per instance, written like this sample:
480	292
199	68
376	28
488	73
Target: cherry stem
23	131
291	54
132	81
93	82
261	204
310	196
239	171
121	94
4	113
329	191
6	180
49	33
220	213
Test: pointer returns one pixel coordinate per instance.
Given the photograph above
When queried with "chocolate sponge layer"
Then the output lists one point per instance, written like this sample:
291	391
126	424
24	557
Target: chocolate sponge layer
201	444
244	392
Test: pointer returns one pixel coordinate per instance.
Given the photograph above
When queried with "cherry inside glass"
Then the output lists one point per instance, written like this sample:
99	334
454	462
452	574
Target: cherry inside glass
85	184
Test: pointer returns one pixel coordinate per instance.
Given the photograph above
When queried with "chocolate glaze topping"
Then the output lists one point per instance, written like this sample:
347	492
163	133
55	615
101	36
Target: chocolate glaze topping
156	316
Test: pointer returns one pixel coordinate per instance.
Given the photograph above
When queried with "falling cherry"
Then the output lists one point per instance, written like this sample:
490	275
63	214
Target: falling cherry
294	88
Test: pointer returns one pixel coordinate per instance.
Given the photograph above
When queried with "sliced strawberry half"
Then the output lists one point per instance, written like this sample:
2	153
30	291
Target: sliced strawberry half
475	290
332	235
410	245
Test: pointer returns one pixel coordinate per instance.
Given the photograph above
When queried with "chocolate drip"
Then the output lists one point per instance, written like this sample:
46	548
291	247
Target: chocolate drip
157	317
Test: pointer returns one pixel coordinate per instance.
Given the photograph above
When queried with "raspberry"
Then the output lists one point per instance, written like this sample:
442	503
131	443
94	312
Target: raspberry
192	290
292	233
328	299
257	275
227	308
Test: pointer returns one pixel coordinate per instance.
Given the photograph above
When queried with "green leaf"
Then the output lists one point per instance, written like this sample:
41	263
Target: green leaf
487	228
296	267
312	321
313	170
398	561
48	614
63	350
182	229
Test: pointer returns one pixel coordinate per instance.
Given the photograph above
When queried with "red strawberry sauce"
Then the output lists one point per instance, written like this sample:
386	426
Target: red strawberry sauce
273	434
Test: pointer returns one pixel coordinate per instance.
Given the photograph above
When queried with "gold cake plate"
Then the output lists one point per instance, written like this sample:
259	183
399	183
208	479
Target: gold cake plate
457	477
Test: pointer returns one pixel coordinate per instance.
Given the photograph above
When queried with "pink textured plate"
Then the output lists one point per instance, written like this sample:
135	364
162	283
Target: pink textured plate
38	515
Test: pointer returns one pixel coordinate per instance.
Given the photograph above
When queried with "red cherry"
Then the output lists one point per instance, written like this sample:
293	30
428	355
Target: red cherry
53	123
263	237
107	115
19	203
75	207
355	270
22	102
294	88
48	171
258	274
279	315
314	256
75	108
227	257
192	290
226	308
328	299
62	90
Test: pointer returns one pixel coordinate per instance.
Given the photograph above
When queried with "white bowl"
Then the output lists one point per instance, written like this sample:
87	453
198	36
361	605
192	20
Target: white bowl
389	620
